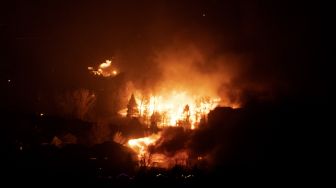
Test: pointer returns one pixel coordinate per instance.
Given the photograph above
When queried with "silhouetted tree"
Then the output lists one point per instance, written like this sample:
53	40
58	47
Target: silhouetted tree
132	107
144	111
186	113
77	103
101	132
185	122
155	119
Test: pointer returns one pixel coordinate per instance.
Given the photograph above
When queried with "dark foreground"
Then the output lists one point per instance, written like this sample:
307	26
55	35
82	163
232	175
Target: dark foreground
269	144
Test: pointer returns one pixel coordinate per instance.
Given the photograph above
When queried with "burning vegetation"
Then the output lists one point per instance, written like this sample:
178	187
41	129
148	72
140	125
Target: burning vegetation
104	69
180	99
174	109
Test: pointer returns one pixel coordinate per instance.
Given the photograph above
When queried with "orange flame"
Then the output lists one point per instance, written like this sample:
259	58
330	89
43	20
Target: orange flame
104	69
176	108
140	145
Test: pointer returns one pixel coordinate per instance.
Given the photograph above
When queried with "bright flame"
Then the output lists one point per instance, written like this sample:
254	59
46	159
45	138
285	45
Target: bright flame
104	69
140	145
168	108
176	108
145	157
106	64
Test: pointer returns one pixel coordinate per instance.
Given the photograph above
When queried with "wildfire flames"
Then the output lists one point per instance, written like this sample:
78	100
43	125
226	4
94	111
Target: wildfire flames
172	105
104	69
173	109
140	145
146	158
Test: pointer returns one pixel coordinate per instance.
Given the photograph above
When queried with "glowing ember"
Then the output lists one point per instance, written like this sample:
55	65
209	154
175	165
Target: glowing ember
105	69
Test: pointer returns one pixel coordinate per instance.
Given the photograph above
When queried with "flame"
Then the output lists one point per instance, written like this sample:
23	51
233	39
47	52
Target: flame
172	108
104	69
145	157
140	145
176	108
106	64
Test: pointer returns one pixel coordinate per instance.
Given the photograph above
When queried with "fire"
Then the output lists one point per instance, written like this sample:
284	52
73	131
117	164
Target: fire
104	69
177	108
140	145
146	158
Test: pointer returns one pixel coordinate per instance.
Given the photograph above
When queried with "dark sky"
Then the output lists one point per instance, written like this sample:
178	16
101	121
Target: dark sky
47	45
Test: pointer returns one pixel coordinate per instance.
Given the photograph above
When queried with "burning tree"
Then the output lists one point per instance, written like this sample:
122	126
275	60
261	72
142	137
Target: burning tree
185	122
175	108
144	111
155	119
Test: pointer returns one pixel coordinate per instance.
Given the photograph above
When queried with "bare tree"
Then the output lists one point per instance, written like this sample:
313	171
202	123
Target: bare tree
101	132
77	103
144	110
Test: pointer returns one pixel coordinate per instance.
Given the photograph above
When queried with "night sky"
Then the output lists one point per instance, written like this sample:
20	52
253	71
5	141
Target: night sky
46	46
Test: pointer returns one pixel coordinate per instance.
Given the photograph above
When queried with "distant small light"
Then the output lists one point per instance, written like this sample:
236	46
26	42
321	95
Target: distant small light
41	114
203	14
9	81
90	68
21	148
115	72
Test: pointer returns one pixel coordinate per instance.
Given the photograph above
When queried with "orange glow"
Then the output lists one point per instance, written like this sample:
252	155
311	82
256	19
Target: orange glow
176	108
172	108
106	64
104	69
140	145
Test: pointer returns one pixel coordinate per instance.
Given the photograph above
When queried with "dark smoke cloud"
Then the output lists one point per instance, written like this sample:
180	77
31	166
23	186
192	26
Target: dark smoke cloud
172	141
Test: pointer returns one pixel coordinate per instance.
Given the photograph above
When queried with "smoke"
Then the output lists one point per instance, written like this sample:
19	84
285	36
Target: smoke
203	72
172	141
199	70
